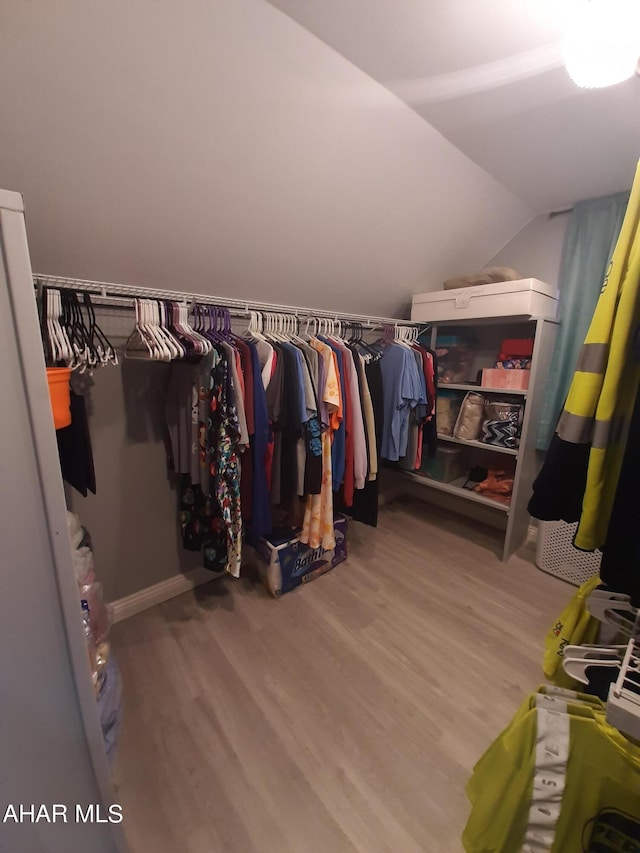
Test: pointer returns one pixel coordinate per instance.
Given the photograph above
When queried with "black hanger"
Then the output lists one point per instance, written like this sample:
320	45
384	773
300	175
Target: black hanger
101	347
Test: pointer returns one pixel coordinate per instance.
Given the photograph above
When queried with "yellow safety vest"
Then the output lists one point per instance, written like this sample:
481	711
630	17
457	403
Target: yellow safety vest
604	387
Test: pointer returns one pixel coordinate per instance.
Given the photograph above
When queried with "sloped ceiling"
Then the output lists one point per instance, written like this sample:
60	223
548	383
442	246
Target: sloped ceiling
489	76
218	146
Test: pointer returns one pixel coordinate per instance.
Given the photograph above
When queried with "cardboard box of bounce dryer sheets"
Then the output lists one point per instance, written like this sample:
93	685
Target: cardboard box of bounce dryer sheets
285	563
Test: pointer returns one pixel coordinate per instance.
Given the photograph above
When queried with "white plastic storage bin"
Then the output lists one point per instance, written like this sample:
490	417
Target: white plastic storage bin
556	555
525	298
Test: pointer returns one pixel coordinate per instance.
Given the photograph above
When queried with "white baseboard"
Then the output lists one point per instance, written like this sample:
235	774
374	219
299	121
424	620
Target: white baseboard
145	598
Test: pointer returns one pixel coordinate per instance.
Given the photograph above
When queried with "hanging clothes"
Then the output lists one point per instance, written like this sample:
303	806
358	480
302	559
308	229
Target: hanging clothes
224	439
186	417
621	550
260	520
365	501
274	406
403	391
289	423
281	413
360	457
213	523
339	439
581	472
430	434
74	448
317	526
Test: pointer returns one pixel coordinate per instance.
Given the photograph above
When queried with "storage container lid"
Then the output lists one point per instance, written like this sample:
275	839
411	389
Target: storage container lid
497	289
448	451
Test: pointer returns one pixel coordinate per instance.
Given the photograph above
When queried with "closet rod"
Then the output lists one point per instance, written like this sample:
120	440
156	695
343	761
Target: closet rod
239	307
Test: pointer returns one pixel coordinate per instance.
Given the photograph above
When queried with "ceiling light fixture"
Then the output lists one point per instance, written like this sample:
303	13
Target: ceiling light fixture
602	44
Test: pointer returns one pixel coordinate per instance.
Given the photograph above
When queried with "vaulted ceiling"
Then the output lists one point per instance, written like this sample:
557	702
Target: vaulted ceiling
489	76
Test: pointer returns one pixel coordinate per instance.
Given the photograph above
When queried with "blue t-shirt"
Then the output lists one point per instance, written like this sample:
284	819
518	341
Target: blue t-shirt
402	392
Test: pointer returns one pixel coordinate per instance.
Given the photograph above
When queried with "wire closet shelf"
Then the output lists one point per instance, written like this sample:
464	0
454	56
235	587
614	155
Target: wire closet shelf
125	296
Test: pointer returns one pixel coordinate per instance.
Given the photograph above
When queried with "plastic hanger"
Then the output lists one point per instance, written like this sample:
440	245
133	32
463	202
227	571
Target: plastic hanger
594	653
65	349
140	345
255	326
400	336
53	327
307	332
105	351
146	327
54	346
181	321
358	341
212	333
161	327
577	667
181	337
296	337
175	346
614	609
388	335
85	356
232	337
158	310
271	328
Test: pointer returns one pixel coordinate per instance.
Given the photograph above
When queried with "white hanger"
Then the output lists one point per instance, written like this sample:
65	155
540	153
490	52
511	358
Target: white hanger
58	336
576	667
68	348
615	609
594	652
255	326
147	326
175	349
307	332
56	346
269	326
279	327
140	345
400	337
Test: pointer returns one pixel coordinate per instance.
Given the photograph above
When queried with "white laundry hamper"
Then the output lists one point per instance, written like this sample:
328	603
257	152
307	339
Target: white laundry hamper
556	555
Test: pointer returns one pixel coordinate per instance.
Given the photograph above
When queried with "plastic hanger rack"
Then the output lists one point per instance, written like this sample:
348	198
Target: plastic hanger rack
616	612
623	704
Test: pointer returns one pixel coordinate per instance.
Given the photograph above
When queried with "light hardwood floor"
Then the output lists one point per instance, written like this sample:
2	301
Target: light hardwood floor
344	717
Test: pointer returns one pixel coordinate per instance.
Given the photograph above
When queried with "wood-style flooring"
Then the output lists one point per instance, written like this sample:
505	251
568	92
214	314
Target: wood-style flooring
347	715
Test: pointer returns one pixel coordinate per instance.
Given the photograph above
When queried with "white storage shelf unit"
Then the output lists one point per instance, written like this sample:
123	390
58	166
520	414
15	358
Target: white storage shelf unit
487	333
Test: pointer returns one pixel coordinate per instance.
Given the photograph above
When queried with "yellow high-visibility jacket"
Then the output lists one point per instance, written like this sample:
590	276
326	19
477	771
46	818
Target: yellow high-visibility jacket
604	387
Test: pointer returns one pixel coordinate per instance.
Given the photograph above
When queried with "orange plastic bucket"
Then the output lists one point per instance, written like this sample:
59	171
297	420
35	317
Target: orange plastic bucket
59	393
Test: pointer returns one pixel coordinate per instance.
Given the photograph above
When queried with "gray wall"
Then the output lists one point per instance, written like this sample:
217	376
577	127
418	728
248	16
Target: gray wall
536	250
133	518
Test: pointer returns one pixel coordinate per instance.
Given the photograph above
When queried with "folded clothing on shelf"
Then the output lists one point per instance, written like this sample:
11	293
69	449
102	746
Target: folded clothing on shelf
498	485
